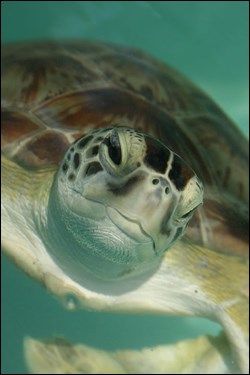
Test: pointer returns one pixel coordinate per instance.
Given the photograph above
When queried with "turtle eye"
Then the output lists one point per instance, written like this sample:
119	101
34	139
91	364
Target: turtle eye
188	213
114	148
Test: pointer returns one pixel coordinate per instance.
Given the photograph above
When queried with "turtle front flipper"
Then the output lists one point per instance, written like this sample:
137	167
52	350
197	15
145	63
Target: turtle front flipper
205	354
222	292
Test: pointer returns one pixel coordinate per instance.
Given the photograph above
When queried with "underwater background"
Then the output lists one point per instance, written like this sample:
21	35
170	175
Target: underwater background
208	42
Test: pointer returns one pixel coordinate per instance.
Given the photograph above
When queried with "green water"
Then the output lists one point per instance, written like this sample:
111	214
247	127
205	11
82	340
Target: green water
208	41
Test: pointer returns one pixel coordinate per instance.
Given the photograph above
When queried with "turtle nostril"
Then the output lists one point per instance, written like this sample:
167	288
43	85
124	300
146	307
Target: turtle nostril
167	190
155	181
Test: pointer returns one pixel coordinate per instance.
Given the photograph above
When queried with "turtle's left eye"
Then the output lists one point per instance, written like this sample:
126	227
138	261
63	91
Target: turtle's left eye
188	213
114	148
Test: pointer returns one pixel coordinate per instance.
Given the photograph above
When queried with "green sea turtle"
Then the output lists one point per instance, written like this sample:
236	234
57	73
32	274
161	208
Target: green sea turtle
124	188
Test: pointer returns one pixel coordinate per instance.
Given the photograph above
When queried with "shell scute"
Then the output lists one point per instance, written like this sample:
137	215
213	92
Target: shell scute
28	81
43	150
15	126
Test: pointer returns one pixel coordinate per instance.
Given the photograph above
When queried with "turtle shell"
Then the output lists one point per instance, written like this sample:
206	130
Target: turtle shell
53	93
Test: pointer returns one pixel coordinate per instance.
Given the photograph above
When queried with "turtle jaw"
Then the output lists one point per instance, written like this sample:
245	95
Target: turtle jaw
131	227
86	247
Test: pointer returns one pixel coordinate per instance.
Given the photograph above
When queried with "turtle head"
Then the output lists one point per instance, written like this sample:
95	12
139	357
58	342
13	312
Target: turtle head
119	200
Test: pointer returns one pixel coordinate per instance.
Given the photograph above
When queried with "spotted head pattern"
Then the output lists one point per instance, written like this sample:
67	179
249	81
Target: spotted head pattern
123	198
